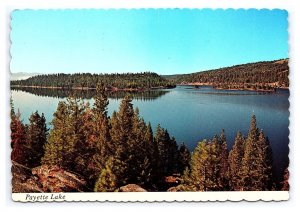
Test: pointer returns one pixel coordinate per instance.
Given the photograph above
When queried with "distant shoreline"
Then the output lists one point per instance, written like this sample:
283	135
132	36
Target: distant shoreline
218	87
89	88
114	89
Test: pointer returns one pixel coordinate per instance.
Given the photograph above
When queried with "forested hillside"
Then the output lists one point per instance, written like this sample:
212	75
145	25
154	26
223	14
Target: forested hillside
251	76
145	80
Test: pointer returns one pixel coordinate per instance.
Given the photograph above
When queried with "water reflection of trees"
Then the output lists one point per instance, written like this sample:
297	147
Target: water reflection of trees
149	95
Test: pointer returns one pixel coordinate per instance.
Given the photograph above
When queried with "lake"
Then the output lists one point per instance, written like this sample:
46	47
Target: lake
189	114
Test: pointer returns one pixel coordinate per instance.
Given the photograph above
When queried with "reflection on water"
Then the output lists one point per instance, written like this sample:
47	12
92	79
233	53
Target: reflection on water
148	95
189	114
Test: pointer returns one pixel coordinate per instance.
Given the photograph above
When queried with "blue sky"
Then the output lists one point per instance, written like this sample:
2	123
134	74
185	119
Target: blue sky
168	41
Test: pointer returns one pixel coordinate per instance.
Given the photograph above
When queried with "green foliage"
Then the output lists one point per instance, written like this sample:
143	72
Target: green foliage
260	75
235	162
145	80
36	138
107	181
256	171
248	167
184	157
100	141
18	139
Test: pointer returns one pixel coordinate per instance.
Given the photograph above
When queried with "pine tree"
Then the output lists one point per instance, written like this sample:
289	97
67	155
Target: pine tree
250	161
198	176
107	181
235	162
56	148
121	135
184	157
223	163
266	161
256	173
36	138
18	139
160	140
101	135
75	139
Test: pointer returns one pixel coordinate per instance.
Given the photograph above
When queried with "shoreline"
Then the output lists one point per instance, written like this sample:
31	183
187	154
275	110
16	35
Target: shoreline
113	89
233	89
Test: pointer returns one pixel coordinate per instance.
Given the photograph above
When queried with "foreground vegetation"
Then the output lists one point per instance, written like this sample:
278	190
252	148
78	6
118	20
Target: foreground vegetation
110	152
265	76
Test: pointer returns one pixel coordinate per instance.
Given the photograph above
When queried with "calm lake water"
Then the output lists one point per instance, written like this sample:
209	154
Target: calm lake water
189	114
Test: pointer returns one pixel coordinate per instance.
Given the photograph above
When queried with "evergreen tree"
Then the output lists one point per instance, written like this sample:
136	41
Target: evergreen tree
235	162
184	157
18	139
197	179
250	161
256	173
101	135
107	180
223	163
75	139
122	135
160	140
56	148
36	138
266	161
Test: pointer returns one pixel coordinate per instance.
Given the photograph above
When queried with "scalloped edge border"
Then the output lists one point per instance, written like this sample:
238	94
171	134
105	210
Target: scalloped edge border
121	197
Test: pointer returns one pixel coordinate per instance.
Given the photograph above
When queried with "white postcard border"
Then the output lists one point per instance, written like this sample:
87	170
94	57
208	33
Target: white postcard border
153	196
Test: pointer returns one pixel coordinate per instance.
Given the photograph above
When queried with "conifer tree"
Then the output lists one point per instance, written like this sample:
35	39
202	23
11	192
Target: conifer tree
18	139
160	140
101	135
265	155
36	138
256	173
184	157
107	180
198	176
75	139
223	163
235	162
121	135
250	161
56	148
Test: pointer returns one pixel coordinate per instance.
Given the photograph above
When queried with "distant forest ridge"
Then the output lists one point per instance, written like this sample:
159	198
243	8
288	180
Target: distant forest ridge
265	75
124	81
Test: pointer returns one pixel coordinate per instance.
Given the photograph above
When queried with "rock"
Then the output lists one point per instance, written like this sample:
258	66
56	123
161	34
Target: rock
55	179
132	188
173	189
172	179
22	180
45	179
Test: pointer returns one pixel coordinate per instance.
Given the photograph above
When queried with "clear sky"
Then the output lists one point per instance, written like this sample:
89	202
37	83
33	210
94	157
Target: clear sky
168	41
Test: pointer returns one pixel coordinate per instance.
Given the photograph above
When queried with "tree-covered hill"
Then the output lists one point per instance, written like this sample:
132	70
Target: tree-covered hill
253	76
145	80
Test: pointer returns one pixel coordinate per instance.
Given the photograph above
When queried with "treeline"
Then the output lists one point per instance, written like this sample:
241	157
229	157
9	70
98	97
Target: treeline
257	76
145	80
110	152
145	95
